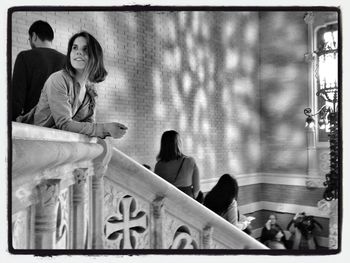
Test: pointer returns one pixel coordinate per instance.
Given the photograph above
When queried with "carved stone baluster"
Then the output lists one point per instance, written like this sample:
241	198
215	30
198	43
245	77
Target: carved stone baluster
207	237
333	225
158	214
79	194
100	168
46	214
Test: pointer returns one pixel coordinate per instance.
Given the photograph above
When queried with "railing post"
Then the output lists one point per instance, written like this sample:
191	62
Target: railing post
100	168
46	214
207	237
158	214
79	217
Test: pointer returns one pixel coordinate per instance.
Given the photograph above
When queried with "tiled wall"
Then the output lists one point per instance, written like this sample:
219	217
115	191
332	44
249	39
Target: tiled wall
233	84
284	91
195	72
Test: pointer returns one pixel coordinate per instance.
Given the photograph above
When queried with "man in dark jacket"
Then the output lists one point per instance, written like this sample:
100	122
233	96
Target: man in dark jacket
33	67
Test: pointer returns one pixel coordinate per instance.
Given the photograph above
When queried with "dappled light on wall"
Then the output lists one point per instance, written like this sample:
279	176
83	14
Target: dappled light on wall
160	110
283	97
243	87
187	83
211	87
253	151
188	144
200	107
159	107
248	62
251	33
231	59
232	134
195	23
294	137
206	128
192	61
283	91
175	95
183	122
200	152
234	163
219	78
118	79
228	31
168	58
288	158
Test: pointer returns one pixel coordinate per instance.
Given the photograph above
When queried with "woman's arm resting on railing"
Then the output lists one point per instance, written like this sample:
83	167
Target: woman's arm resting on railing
195	180
61	110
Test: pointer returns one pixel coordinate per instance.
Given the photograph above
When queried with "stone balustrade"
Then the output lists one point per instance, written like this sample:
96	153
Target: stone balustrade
70	191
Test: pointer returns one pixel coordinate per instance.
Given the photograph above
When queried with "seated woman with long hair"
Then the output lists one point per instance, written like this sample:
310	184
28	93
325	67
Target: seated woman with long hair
68	98
175	167
272	234
222	199
275	241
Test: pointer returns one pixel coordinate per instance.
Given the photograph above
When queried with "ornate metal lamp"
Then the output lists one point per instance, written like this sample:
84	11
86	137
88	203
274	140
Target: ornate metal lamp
327	89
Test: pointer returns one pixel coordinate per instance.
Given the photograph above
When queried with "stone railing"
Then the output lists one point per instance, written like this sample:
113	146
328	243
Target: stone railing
70	191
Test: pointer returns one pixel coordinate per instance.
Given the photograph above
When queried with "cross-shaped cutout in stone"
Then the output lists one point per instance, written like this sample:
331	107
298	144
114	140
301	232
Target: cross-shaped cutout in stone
122	228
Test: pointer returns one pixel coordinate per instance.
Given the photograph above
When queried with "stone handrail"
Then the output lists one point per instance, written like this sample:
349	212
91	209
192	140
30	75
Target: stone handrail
70	191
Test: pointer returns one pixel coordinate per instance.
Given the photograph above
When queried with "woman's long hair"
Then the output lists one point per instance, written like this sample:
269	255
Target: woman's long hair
95	67
222	194
169	147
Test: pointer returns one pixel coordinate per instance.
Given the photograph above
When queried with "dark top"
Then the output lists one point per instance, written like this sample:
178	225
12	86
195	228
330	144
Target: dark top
267	234
188	174
31	70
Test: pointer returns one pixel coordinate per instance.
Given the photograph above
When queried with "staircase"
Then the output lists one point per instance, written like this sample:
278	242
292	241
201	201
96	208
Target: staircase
70	191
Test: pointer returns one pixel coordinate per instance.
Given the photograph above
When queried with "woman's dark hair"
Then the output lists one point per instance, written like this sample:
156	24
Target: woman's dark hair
147	166
169	147
96	69
222	194
42	29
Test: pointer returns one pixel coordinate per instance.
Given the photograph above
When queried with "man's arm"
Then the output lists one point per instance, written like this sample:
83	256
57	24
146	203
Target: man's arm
19	87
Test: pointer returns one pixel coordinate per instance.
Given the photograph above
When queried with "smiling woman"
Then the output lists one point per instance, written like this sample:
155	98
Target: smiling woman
67	101
79	54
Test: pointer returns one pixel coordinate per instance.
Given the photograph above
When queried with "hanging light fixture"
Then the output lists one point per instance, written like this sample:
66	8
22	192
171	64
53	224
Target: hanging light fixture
327	90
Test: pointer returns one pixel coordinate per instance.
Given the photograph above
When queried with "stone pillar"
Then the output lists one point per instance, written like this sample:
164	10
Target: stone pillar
330	208
158	215
309	57
100	168
46	214
313	178
79	216
312	169
333	225
207	237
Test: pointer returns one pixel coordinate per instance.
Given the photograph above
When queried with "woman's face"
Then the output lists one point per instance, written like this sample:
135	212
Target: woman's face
272	219
79	54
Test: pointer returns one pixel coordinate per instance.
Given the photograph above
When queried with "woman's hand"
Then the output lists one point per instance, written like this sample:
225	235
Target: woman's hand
296	216
115	129
268	224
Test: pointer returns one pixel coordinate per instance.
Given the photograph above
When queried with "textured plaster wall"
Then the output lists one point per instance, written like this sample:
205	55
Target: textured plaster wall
195	72
284	89
234	84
